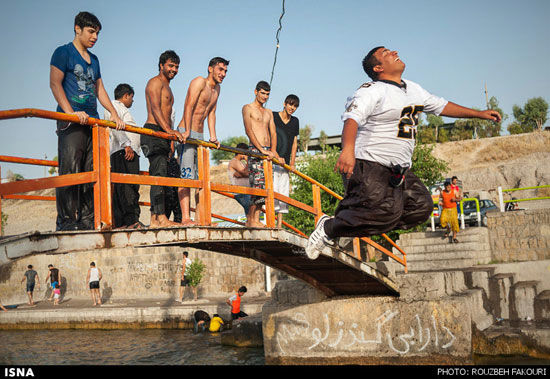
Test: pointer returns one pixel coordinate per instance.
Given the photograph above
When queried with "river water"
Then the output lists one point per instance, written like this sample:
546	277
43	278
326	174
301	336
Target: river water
145	347
121	347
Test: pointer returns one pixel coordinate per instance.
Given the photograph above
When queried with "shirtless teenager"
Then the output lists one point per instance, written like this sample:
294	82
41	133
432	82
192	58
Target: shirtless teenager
260	129
200	104
160	99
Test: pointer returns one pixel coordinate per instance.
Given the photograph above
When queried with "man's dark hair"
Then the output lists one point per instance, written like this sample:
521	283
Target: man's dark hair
123	89
242	289
293	100
370	61
447	184
263	85
186	253
214	61
29	267
241	145
50	265
169	55
84	19
92	264
454	177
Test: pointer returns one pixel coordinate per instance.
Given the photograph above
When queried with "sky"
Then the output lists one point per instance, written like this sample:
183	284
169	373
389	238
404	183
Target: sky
451	48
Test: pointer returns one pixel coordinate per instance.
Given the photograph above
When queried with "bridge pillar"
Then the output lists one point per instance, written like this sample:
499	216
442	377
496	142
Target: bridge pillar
364	330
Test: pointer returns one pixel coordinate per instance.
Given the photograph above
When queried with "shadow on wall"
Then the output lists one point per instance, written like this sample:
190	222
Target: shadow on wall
107	293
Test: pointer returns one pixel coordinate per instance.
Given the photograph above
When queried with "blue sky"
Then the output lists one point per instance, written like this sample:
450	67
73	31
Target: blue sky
451	48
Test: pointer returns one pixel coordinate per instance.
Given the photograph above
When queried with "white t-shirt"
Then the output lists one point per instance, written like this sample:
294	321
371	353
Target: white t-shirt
119	139
387	115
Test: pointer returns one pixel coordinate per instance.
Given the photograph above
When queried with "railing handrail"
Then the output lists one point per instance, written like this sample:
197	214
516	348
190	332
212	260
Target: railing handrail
501	200
40	113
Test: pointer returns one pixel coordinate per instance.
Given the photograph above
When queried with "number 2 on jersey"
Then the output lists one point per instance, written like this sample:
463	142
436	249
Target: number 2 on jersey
409	121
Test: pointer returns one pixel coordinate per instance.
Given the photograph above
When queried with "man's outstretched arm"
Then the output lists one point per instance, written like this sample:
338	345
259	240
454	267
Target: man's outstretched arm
458	111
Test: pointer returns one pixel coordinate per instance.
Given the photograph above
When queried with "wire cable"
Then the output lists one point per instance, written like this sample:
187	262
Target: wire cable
277	47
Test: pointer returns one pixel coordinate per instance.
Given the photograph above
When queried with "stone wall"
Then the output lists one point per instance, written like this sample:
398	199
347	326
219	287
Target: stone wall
135	273
519	235
364	330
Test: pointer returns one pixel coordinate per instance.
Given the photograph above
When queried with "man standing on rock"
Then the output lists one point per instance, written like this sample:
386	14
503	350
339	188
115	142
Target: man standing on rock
378	141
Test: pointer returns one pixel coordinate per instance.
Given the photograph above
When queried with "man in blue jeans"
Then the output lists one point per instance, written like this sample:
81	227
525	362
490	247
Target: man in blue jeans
76	84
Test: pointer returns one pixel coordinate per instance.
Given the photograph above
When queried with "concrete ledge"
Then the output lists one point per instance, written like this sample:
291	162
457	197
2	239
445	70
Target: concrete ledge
121	314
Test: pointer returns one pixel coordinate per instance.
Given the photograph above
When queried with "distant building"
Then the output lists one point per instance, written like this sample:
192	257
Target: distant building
334	141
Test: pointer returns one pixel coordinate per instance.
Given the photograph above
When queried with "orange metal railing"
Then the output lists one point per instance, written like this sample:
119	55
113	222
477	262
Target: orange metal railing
102	178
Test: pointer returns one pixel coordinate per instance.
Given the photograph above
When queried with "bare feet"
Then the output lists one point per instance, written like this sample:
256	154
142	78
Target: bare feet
255	224
189	222
161	221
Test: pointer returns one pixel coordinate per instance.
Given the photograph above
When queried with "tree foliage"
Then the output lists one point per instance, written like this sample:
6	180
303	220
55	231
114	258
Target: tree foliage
531	117
304	137
425	166
478	128
195	272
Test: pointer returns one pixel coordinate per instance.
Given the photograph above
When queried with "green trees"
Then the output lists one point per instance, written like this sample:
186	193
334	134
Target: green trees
195	274
531	117
304	137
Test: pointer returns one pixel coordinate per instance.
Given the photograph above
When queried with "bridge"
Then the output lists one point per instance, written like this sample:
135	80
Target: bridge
336	272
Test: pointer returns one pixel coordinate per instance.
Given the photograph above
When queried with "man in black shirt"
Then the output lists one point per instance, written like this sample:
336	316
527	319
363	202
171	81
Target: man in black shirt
54	278
287	127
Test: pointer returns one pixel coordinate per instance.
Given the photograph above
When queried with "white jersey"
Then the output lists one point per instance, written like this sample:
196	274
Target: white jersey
387	115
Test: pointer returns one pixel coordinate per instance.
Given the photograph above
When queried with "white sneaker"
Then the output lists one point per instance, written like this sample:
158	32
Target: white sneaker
318	239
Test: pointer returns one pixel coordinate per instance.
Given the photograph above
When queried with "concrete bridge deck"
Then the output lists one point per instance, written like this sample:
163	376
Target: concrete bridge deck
335	273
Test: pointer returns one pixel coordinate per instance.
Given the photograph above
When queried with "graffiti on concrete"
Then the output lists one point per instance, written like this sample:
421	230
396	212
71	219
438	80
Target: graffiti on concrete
419	336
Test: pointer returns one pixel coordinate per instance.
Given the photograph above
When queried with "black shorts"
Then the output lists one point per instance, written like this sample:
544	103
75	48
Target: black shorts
94	285
235	316
372	206
184	282
30	287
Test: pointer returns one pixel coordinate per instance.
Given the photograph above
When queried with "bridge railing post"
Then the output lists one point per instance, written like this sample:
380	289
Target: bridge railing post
270	199
204	208
103	211
357	248
316	201
1	225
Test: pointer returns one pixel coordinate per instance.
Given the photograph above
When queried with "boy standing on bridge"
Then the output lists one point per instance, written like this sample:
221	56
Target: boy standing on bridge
287	128
76	84
378	141
200	104
160	100
260	129
125	151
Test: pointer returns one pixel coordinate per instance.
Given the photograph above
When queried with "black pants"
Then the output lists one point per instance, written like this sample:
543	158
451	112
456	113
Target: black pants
125	196
75	204
157	150
372	206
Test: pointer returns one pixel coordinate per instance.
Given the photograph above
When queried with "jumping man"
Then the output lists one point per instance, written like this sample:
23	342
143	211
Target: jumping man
378	141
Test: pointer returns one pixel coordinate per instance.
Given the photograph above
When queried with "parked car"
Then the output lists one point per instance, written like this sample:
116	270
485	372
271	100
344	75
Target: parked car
470	211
